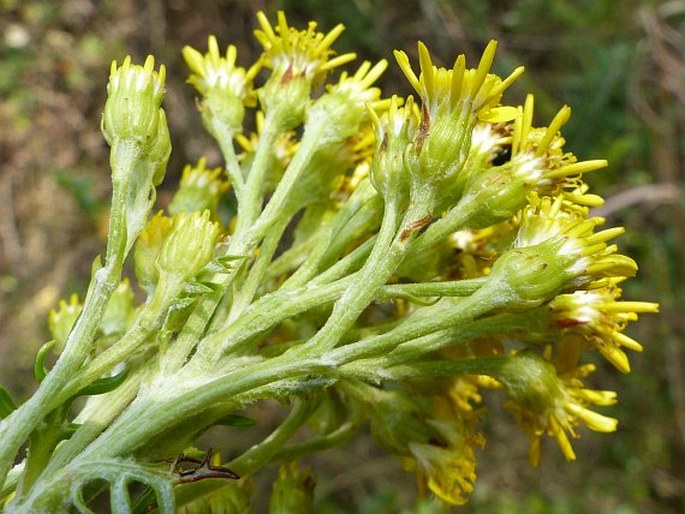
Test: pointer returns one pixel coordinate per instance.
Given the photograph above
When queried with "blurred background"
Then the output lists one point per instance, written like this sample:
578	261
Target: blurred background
620	65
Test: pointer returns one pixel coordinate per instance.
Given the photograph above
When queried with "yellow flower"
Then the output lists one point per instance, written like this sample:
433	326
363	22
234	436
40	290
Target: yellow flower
447	464
345	107
359	86
537	154
199	189
452	102
134	96
599	319
394	129
588	259
211	71
297	54
147	248
552	403
440	88
62	319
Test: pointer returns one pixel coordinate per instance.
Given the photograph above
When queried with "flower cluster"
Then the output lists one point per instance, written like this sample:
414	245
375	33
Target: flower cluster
391	261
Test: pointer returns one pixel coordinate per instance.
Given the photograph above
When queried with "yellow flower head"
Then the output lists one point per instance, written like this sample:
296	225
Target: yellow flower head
345	106
147	248
199	189
394	130
62	319
537	155
212	71
359	86
452	102
599	319
189	245
134	97
447	464
586	256
291	53
440	88
552	403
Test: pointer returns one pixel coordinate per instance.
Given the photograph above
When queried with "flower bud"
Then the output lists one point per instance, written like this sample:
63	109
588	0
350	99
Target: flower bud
225	88
119	308
293	490
133	102
548	402
189	245
147	248
62	319
393	164
452	102
298	59
199	189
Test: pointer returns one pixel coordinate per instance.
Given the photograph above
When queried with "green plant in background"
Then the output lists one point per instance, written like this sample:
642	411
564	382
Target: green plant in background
388	262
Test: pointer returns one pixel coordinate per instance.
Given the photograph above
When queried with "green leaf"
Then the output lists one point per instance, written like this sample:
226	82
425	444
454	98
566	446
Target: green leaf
7	404
39	369
104	385
236	420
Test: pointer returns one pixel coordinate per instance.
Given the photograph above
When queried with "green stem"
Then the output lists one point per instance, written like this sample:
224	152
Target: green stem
233	169
147	322
316	444
358	214
483	327
180	399
348	264
273	308
376	368
108	407
445	288
455	219
41	444
250	204
249	287
491	366
264	314
426	321
390	248
16	428
275	210
260	454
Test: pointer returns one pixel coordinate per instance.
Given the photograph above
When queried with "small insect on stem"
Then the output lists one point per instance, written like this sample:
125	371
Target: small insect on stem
200	469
